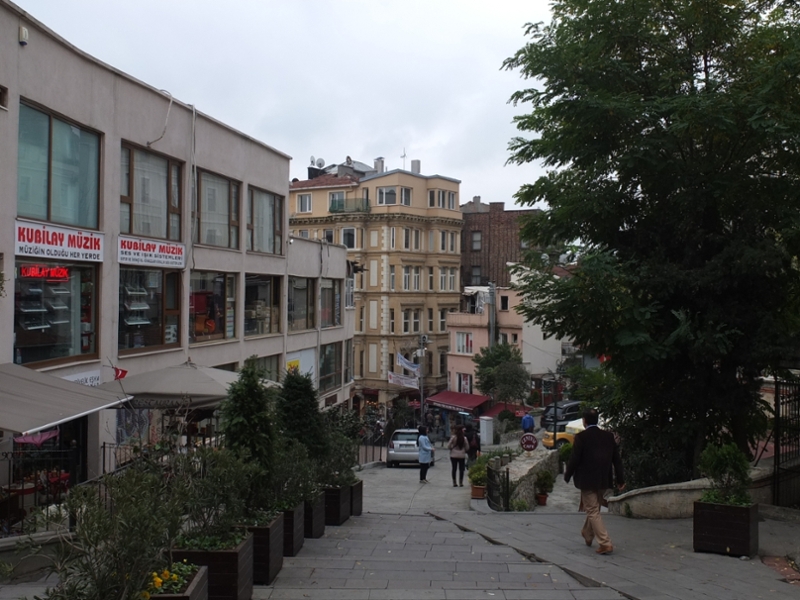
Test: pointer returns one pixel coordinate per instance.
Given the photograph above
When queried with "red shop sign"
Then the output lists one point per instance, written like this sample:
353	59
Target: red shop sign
44	272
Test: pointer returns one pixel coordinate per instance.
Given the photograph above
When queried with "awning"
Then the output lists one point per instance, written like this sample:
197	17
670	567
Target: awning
517	409
456	401
31	401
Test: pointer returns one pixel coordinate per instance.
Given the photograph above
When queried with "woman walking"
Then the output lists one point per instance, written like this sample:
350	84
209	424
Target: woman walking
425	453
459	446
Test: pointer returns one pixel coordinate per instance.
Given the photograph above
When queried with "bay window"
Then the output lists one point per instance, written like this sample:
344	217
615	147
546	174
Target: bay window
387	195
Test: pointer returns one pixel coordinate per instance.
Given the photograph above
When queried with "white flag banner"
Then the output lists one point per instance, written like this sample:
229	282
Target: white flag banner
402	380
402	361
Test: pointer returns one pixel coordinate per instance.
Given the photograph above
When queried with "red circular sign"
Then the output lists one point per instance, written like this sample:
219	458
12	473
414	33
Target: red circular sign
528	442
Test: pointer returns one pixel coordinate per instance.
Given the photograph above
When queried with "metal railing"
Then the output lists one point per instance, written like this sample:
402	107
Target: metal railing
372	448
349	205
498	486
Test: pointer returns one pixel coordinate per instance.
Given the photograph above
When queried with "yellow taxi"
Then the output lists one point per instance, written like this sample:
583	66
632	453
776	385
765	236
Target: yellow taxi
563	437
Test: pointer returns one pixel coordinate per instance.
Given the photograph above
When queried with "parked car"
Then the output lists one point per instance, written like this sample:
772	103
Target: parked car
403	448
566	434
567	411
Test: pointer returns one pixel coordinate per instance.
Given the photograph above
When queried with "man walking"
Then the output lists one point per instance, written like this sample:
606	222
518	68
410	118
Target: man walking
527	423
594	452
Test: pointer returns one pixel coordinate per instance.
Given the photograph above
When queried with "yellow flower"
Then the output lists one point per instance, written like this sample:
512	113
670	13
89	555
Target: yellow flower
145	595
174	577
165	574
157	582
155	574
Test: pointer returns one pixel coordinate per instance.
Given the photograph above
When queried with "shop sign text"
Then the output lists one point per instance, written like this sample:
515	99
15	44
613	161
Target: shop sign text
51	241
135	251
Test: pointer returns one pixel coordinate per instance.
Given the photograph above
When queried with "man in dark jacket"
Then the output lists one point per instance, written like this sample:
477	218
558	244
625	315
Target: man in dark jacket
594	452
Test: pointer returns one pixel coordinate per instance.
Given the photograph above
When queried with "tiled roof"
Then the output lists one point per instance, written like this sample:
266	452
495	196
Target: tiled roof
324	181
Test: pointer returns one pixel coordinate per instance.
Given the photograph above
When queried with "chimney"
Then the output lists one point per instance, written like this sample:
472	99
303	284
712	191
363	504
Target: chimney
379	164
415	166
476	199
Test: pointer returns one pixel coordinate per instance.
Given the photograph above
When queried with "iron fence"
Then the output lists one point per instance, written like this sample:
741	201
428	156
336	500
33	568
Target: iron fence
498	486
372	448
786	475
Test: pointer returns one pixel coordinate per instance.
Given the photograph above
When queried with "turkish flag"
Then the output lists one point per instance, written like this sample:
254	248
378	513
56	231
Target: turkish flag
119	373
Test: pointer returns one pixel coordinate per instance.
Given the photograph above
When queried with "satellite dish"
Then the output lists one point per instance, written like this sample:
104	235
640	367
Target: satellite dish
320	163
312	160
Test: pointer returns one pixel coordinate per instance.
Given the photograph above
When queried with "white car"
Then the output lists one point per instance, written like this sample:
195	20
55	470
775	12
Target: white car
403	448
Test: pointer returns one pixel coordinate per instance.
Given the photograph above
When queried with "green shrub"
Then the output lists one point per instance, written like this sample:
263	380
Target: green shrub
477	472
544	482
728	470
519	505
565	453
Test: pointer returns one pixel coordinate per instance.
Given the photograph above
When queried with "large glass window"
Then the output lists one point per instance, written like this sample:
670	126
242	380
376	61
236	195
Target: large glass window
304	203
264	222
270	365
349	237
476	240
330	297
262	304
218	223
405	196
336	201
58	168
301	304
212	306
55	313
149	308
330	366
387	195
150	198
463	342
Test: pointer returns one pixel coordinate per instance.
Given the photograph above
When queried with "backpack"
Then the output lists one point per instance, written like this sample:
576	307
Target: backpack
473	442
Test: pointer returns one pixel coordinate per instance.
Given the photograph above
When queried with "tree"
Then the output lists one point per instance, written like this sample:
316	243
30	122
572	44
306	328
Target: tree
299	414
499	372
670	130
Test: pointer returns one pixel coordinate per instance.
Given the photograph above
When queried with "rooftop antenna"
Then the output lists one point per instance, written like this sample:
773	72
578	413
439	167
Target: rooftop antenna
404	159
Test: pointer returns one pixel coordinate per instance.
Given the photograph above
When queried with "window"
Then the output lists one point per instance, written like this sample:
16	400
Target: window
417	236
264	222
431	241
55	313
406	278
406	320
442	279
304	233
431	198
350	292
58	166
452	241
150	198
443	245
416	278
212	304
336	201
149	308
361	319
442	319
330	366
443	363
475	275
416	315
270	366
387	195
463	342
430	279
430	320
452	278
405	196
390	368
476	240
406	238
504	338
391	320
327	235
304	203
442	198
300	311
514	338
348	360
218	211
464	383
451	200
391	277
503	302
361	363
330	298
349	237
430	362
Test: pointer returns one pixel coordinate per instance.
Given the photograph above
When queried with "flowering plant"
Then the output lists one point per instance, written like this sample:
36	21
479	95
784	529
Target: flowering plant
172	580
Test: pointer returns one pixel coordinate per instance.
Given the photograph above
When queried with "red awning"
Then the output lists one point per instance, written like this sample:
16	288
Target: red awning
518	410
457	401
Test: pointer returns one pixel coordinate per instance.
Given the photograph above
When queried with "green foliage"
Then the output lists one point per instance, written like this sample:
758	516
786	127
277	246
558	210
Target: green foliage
477	472
505	415
671	133
336	467
299	415
544	482
729	472
173	579
499	371
294	477
565	453
519	505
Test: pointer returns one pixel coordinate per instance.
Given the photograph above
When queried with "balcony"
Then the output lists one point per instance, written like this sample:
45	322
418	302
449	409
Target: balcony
349	205
461	319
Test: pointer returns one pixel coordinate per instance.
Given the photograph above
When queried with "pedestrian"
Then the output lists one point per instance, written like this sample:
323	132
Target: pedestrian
425	453
594	452
474	440
527	423
459	446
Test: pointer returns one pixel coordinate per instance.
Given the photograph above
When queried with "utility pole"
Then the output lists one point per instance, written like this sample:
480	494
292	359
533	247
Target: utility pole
492	314
423	341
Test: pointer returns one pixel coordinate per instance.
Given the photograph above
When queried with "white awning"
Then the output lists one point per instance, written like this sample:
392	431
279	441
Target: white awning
31	401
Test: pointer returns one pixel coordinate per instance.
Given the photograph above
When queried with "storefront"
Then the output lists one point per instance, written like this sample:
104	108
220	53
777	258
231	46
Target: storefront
55	292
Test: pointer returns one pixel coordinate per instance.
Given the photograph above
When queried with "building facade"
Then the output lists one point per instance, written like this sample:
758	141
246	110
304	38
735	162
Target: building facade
402	231
137	232
490	240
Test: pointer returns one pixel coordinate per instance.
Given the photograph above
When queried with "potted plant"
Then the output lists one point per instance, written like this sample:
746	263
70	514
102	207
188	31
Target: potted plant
294	481
544	485
564	454
477	477
180	581
725	519
344	430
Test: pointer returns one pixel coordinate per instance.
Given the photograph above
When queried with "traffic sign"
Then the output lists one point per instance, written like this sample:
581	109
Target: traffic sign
528	442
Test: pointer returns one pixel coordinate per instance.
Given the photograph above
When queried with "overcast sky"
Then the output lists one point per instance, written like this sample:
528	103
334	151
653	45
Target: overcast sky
331	78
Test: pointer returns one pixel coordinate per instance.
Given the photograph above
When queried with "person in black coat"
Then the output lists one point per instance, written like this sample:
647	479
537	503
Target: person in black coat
594	453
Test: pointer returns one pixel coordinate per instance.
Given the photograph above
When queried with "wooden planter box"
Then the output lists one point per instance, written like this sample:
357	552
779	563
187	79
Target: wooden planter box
314	516
230	572
478	492
356	498
293	530
267	550
726	529
197	590
337	505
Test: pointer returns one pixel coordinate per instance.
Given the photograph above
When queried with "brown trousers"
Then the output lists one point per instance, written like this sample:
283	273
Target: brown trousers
594	527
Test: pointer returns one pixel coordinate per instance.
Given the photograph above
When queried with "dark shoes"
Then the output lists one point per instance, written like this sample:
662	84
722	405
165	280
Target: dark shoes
455	484
605	549
460	484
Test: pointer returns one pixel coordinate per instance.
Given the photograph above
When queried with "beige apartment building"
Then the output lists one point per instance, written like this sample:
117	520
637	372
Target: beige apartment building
402	231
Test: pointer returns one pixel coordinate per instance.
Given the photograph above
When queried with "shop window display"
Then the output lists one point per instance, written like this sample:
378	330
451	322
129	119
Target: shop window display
149	308
212	302
262	298
54	311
